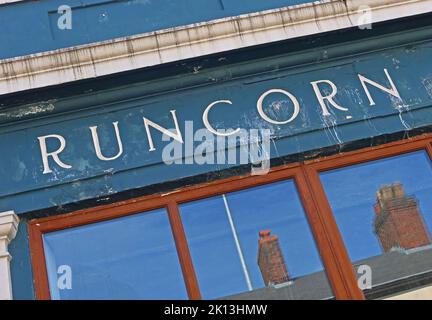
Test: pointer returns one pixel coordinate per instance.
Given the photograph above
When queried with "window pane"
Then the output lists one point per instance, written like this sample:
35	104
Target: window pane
384	211
252	239
132	257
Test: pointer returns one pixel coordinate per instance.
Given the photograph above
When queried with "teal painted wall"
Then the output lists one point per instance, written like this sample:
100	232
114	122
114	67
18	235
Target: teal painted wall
24	188
21	271
31	26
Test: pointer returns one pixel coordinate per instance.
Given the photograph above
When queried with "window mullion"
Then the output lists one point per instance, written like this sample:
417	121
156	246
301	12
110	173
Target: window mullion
329	241
183	251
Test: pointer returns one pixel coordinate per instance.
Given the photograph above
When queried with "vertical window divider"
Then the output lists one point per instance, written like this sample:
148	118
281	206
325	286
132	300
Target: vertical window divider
429	149
40	273
327	236
183	251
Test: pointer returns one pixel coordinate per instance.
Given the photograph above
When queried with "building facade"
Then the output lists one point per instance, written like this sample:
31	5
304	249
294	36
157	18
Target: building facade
215	149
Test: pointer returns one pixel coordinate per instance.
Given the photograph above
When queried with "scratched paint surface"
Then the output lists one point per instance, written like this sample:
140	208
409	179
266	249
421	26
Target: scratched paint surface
31	26
24	187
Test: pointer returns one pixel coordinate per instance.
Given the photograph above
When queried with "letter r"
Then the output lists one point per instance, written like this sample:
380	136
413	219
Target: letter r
53	154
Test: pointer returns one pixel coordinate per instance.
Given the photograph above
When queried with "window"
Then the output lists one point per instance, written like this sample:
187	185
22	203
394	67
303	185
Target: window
251	239
245	237
384	212
294	233
132	257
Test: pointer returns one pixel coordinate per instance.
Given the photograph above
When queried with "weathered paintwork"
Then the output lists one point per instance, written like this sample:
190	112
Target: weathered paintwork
24	187
31	26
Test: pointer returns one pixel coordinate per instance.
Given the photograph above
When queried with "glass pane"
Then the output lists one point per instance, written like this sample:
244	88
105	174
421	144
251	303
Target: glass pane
132	257
384	211
254	243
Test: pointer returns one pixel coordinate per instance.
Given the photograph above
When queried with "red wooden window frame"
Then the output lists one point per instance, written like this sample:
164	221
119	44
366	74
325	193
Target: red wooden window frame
328	239
314	167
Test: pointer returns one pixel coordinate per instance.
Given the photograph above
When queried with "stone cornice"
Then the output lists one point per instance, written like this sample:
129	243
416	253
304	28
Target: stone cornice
153	48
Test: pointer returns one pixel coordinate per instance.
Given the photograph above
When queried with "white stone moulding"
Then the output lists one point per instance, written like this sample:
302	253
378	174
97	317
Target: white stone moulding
8	228
10	1
173	44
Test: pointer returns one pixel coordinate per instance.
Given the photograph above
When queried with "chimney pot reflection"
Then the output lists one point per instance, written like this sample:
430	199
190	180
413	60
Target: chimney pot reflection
270	259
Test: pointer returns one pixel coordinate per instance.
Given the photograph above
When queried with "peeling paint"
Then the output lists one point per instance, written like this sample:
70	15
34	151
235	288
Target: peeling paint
20	172
330	123
28	111
427	83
